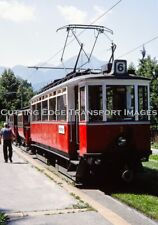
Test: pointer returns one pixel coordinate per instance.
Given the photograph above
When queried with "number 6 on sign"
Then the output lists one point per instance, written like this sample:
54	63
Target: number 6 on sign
120	67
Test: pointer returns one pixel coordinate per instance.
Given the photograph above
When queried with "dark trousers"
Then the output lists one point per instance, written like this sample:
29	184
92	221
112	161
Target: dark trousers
7	146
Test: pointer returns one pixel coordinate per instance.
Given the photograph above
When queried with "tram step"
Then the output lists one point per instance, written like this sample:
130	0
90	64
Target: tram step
42	158
74	162
70	174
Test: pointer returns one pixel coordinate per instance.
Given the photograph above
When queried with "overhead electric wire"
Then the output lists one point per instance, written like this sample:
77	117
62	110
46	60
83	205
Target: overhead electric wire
103	14
98	18
134	49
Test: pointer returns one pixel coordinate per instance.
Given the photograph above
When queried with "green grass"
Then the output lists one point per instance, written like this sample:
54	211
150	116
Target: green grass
154	145
145	203
3	219
1	124
142	194
153	162
154	157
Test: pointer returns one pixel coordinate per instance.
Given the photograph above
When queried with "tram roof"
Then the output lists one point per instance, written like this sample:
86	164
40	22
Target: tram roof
79	77
90	75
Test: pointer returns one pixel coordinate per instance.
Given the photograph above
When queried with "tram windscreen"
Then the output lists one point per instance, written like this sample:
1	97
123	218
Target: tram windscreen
120	102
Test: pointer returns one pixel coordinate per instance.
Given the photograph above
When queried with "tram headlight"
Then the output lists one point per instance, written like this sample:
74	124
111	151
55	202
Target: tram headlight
90	160
98	162
121	141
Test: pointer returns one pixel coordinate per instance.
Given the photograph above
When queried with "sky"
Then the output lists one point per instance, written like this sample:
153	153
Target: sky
28	29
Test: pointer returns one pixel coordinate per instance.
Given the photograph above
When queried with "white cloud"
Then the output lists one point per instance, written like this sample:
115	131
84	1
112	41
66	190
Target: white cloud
75	15
98	12
16	11
72	14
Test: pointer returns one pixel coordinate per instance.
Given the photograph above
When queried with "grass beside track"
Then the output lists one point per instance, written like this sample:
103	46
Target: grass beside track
142	194
154	157
3	219
145	203
154	145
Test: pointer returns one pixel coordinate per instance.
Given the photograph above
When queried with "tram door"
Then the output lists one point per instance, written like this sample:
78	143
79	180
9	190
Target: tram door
76	119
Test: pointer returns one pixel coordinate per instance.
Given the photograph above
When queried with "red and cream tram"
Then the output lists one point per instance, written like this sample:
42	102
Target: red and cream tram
93	123
96	121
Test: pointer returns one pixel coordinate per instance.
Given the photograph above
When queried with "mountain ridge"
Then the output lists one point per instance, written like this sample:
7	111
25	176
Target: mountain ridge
41	77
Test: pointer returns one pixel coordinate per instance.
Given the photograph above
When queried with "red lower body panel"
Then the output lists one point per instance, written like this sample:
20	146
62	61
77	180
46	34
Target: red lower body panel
55	135
102	138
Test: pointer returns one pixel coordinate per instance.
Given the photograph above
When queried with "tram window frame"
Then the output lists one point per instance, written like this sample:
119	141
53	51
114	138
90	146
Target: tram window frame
95	103
52	116
62	107
142	106
122	113
44	111
33	109
38	109
82	103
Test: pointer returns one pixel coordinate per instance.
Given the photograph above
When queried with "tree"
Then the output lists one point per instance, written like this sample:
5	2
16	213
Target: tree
131	68
25	91
148	67
8	89
14	92
154	92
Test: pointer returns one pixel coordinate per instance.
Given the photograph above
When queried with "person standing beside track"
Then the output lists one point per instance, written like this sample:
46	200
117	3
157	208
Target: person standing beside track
7	135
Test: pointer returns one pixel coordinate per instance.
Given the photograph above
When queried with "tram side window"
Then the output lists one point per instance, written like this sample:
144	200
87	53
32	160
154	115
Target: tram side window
26	118
61	107
45	110
33	112
11	118
15	119
52	109
82	103
20	120
38	112
142	102
95	103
